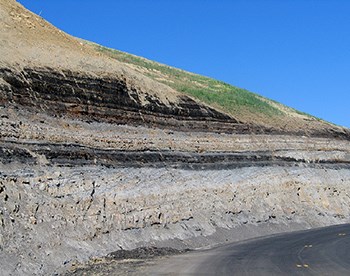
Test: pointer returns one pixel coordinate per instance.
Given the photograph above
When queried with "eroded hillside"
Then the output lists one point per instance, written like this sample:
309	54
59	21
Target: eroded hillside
101	150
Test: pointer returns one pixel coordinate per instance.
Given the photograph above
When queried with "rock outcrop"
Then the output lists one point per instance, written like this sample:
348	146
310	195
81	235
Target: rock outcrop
96	157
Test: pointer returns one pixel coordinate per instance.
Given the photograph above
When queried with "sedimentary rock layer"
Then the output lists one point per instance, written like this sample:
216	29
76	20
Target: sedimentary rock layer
103	99
53	217
94	163
114	100
76	155
95	156
92	187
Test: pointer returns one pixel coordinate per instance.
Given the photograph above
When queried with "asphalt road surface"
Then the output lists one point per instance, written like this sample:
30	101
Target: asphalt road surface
323	251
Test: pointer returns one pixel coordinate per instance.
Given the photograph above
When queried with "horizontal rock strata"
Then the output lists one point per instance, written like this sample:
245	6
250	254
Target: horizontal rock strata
53	217
95	156
108	99
76	155
115	100
92	187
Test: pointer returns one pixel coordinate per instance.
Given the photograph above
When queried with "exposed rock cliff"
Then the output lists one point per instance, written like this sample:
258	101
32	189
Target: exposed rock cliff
95	156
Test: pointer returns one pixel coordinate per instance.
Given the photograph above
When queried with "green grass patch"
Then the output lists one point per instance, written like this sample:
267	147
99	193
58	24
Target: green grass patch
221	95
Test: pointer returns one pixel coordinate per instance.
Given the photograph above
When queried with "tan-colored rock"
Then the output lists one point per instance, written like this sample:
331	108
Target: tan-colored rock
94	157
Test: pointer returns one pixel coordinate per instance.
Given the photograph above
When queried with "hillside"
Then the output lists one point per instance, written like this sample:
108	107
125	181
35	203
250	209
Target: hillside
44	47
101	150
241	104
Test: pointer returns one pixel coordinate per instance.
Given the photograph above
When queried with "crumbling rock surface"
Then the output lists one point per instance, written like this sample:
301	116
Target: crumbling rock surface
103	99
53	217
114	100
75	186
71	190
95	157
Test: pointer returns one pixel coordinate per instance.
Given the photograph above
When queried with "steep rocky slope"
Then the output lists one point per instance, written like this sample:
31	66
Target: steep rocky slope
97	154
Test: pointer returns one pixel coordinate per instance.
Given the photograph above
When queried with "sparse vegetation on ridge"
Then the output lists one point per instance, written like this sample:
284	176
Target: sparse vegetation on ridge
240	103
216	93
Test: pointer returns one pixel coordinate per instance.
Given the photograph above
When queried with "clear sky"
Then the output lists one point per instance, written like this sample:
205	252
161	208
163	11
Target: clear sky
296	52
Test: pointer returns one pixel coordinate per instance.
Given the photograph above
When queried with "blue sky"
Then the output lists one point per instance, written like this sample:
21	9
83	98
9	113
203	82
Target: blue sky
294	51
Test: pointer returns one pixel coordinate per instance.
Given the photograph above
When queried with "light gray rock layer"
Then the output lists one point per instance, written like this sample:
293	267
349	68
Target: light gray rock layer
53	217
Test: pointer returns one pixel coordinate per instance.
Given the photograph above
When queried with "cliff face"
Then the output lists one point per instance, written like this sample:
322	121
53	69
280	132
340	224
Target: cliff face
94	156
107	99
71	190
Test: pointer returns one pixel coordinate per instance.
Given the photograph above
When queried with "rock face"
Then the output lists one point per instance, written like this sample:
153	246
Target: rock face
106	99
95	157
72	189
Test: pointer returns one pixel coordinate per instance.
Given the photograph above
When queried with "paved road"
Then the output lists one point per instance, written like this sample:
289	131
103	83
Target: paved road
324	251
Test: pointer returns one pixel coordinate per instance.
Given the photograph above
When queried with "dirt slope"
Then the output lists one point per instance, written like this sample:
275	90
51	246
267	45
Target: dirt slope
29	42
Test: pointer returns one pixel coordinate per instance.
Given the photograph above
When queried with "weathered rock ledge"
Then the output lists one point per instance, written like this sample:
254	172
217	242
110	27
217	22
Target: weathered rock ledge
90	165
71	189
77	155
107	99
114	99
96	156
53	217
